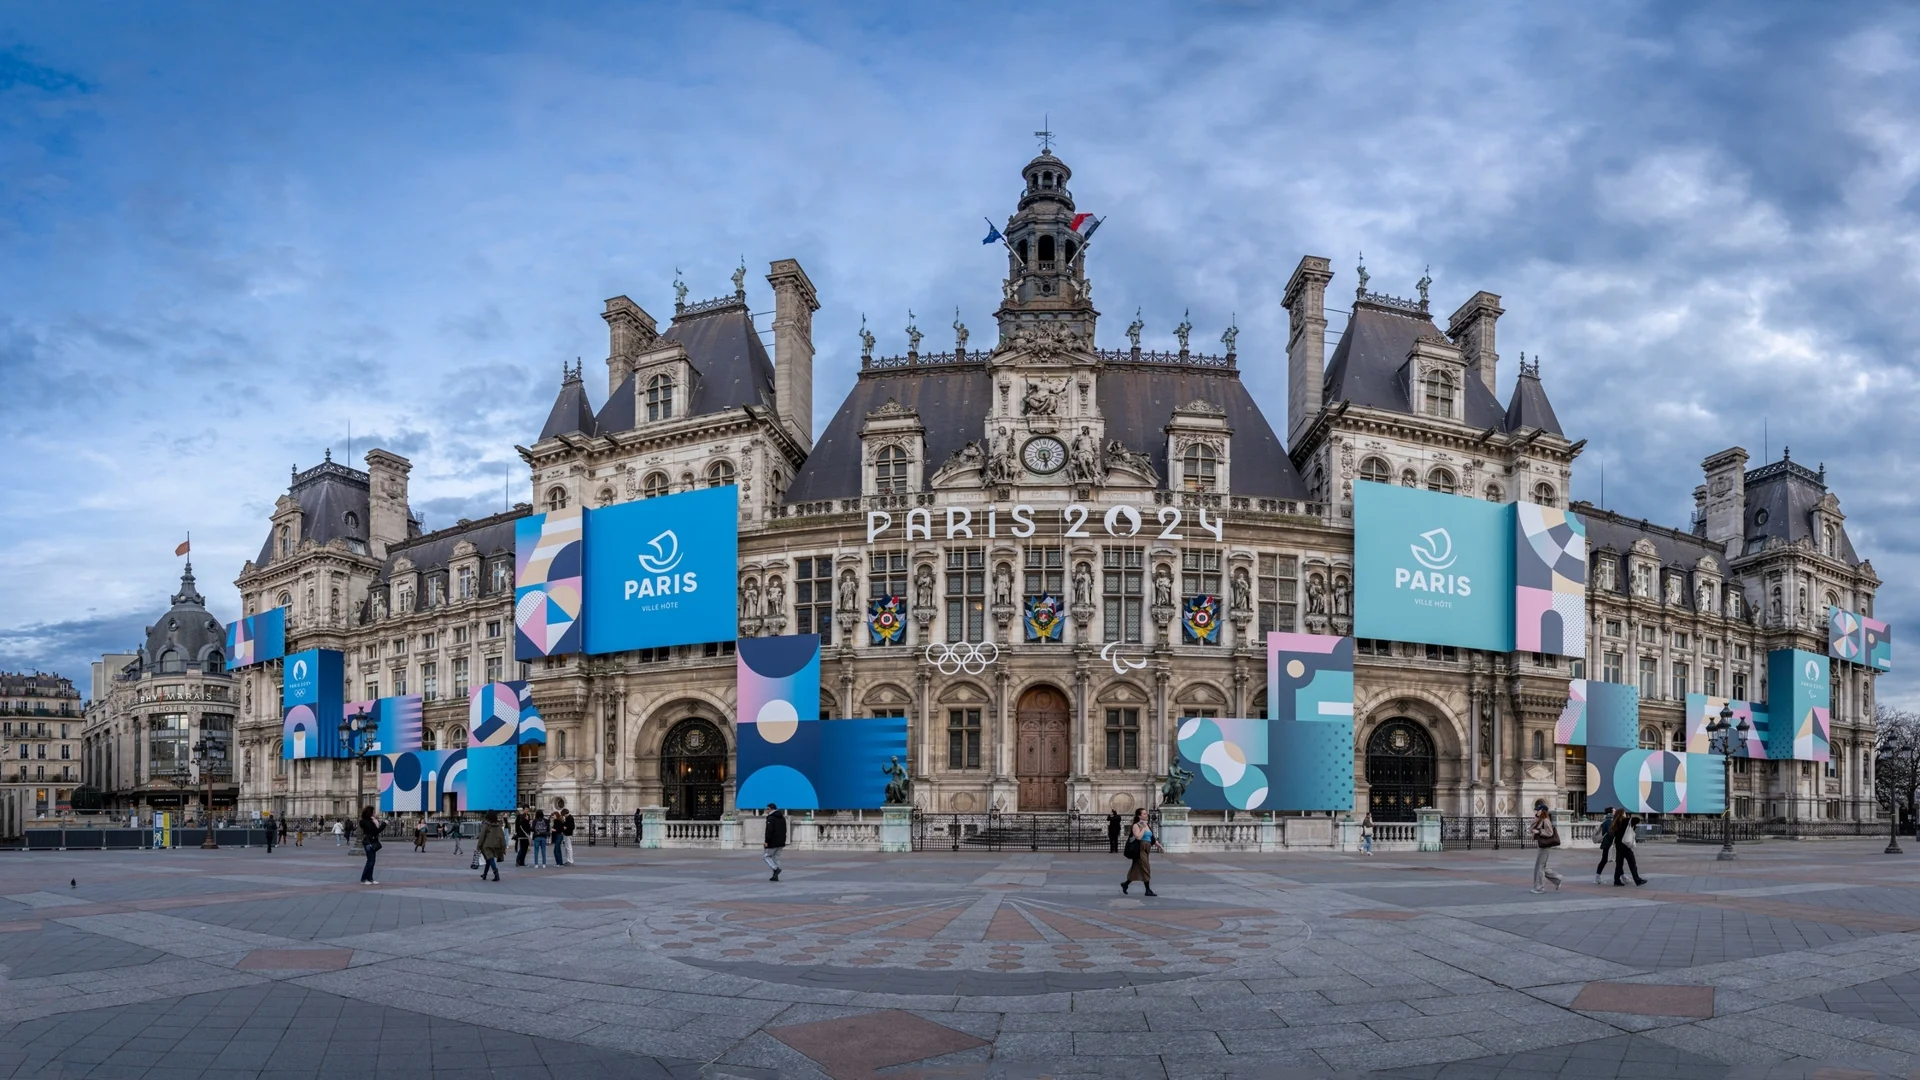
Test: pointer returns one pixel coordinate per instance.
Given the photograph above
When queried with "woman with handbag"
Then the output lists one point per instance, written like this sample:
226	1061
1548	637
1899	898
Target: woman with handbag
492	845
370	828
1547	836
1139	838
1623	849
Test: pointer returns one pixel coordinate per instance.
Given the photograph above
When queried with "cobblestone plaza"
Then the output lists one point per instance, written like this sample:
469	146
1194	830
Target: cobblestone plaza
641	963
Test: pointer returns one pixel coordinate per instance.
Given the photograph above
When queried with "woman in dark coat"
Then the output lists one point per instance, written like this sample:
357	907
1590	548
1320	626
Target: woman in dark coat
1623	845
492	846
370	828
1139	839
522	837
776	839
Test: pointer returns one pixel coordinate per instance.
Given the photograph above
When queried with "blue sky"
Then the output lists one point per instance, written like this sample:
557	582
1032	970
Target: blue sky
229	231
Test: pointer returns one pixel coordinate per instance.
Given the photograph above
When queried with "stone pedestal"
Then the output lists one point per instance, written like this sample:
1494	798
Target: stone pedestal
1563	821
1176	835
653	826
1349	834
1311	833
896	828
1426	832
1269	834
730	830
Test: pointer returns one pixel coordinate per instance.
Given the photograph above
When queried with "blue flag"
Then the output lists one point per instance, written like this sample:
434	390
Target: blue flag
993	234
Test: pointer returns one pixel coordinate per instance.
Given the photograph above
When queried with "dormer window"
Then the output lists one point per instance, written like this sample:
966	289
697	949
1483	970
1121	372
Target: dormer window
890	471
1437	394
353	520
286	541
1442	481
660	397
1832	542
465	583
1198	467
720	474
556	498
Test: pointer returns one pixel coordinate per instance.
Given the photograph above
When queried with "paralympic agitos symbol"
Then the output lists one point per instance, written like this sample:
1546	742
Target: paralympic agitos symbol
1121	665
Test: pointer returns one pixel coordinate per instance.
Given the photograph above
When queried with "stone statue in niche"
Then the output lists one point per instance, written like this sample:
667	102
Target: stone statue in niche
1703	599
1002	585
1004	464
849	592
1342	596
923	589
1316	595
1162	587
776	597
1043	397
1673	589
1082	585
750	599
1084	459
1242	595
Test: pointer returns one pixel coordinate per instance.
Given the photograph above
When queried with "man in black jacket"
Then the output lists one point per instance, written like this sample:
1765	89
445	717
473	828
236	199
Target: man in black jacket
1113	831
776	839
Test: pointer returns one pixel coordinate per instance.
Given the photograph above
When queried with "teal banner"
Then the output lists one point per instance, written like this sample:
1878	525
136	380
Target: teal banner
1432	568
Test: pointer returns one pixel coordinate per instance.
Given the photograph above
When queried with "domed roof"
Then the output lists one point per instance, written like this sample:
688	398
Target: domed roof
186	634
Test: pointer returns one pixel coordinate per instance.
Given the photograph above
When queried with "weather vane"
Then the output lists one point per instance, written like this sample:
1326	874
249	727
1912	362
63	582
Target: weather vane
1045	134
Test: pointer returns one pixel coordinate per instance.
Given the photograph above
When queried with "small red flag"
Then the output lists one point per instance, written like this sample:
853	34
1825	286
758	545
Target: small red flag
183	548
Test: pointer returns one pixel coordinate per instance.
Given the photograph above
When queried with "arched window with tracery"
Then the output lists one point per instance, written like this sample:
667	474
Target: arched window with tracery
1545	495
654	485
1442	480
720	474
556	498
890	471
1199	467
1376	470
660	397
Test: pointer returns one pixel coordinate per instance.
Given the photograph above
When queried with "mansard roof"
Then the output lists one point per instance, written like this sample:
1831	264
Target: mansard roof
1781	498
1609	531
730	366
1529	407
1137	400
327	494
1365	368
571	412
490	536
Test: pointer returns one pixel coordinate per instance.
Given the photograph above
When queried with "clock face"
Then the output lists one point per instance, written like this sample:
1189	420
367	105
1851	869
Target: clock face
1044	454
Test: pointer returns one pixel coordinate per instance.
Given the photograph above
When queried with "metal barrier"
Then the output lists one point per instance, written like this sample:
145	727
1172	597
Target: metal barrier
1462	833
996	831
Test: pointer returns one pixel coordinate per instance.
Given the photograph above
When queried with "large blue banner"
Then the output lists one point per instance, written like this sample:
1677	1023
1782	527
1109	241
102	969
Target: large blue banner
312	699
257	639
1432	568
662	571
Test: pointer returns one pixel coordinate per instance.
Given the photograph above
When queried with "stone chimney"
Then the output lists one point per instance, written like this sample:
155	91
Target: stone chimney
1471	328
388	514
794	303
1306	303
1726	503
630	332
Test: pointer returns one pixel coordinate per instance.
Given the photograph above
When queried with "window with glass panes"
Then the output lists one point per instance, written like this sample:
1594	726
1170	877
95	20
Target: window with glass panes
1612	668
1649	677
963	738
966	594
1046	573
1681	681
886	576
495	666
1123	738
1279	590
1200	575
430	681
1122	579
813	598
1710	681
1739	686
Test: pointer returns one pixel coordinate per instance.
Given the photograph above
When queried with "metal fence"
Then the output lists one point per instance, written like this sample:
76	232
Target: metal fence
594	829
1464	833
995	831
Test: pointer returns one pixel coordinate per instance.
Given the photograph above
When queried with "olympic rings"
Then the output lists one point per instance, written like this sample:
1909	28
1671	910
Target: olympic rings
952	658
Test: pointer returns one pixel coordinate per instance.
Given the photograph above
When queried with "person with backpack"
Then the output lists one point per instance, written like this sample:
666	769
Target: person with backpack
1603	835
492	845
1623	849
775	840
542	829
1546	835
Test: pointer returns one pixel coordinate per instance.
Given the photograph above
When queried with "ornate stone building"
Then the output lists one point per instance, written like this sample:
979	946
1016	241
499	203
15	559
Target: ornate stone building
151	707
1120	481
40	717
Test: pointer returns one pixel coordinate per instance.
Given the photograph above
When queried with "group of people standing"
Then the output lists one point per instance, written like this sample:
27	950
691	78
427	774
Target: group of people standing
533	832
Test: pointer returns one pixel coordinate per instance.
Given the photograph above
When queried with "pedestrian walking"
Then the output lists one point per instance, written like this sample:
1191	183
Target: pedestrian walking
1603	835
370	829
522	837
269	837
419	836
1546	836
542	829
1139	838
456	837
1624	844
1366	834
639	818
775	840
492	845
339	834
300	836
283	830
1113	831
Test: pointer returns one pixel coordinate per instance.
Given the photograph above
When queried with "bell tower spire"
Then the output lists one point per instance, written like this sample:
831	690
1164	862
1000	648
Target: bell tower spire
1046	257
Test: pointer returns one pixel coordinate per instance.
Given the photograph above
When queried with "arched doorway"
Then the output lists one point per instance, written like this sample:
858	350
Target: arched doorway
1400	767
1041	759
693	771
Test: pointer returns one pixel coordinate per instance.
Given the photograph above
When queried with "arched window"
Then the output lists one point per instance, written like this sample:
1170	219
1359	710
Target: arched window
556	498
172	662
654	485
279	757
560	745
214	661
1198	467
286	540
1022	248
890	471
1544	494
1046	252
465	583
660	397
1376	470
1442	480
720	474
1649	738
456	737
429	739
1539	746
353	521
1832	542
1437	389
286	600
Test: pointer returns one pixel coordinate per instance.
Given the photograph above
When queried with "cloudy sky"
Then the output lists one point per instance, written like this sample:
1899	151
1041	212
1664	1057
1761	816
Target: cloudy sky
230	232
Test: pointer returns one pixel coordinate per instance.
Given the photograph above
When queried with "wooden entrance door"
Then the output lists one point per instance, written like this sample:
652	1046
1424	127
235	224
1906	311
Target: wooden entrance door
1041	759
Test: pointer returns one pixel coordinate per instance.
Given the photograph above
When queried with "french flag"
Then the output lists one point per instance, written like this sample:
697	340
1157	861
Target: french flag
1084	225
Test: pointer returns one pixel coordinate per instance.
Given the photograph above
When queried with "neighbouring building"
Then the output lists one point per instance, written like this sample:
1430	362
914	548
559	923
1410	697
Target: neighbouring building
40	717
1185	487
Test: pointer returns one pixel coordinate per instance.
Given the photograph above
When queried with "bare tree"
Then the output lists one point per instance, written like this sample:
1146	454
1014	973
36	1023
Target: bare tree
1896	759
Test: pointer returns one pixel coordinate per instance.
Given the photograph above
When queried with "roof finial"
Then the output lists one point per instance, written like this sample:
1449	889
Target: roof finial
866	341
740	279
679	291
913	335
1232	334
329	453
1786	453
1186	327
1362	271
1426	279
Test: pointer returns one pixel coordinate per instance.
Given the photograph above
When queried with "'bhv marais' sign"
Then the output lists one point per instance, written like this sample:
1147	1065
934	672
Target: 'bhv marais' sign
1021	521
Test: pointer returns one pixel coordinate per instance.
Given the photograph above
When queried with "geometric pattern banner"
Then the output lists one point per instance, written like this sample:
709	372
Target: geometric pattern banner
393	722
1798	702
502	714
1549	581
257	639
312	702
1857	639
547	596
1300	756
414	780
492	778
817	764
1620	773
777	682
1703	710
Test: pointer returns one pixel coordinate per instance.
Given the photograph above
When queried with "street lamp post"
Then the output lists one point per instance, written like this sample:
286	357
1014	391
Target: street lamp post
356	734
1725	729
206	754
